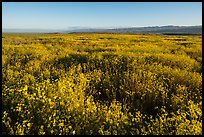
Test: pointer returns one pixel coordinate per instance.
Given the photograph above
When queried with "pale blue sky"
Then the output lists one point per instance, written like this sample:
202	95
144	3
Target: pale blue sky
61	15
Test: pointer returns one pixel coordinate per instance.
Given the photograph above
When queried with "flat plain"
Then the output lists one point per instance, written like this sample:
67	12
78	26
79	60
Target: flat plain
101	84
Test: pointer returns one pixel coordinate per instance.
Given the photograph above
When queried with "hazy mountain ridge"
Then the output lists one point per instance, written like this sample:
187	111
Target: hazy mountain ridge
152	29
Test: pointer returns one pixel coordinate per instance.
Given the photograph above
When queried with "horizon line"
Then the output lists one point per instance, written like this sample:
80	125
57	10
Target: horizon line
89	27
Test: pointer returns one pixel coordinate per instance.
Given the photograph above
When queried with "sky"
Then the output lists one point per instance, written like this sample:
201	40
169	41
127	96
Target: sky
63	15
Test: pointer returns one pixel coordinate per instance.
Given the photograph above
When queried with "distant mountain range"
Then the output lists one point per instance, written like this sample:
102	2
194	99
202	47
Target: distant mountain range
170	29
154	29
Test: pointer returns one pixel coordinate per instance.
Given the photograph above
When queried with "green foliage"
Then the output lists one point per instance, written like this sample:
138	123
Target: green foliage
101	84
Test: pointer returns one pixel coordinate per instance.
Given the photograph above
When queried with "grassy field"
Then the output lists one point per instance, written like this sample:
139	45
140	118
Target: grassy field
107	84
